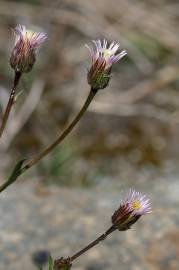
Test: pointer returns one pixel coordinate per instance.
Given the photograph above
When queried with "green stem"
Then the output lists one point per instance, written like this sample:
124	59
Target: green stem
10	102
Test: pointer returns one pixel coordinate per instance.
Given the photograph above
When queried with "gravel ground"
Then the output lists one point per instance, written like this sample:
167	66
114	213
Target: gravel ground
63	220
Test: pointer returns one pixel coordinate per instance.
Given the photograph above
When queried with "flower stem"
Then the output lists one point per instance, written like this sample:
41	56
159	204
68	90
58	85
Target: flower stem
10	102
94	243
44	153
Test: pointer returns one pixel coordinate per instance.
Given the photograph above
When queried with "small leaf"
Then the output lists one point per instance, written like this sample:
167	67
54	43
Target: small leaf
50	263
14	175
16	172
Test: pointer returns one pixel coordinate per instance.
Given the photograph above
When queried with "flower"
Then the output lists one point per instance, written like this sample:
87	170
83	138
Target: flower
132	207
23	55
103	57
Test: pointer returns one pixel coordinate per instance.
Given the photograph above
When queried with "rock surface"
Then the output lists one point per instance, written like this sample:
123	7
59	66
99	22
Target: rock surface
62	220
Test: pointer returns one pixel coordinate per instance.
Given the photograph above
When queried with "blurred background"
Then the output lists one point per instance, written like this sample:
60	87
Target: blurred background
127	138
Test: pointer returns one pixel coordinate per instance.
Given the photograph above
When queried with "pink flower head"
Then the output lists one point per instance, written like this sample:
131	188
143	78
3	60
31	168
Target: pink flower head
132	207
26	44
103	57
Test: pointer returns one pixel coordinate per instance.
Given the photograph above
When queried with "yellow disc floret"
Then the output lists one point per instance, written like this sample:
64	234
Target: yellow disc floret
136	205
107	54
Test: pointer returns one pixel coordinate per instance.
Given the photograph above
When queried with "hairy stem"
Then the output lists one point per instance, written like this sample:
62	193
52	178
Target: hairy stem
44	153
94	243
10	102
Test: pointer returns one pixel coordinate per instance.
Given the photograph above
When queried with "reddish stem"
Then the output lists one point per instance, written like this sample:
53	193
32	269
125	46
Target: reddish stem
10	102
94	243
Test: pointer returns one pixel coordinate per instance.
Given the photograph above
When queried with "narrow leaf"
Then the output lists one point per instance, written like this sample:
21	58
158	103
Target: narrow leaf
14	175
50	263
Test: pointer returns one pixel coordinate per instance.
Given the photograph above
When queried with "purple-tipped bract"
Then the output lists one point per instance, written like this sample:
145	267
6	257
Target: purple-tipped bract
132	207
26	44
103	57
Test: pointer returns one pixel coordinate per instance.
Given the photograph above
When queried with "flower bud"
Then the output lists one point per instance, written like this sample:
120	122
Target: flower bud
62	264
23	55
132	207
103	59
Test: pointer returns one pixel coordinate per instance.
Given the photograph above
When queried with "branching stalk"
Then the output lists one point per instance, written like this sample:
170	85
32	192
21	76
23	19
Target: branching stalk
44	153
